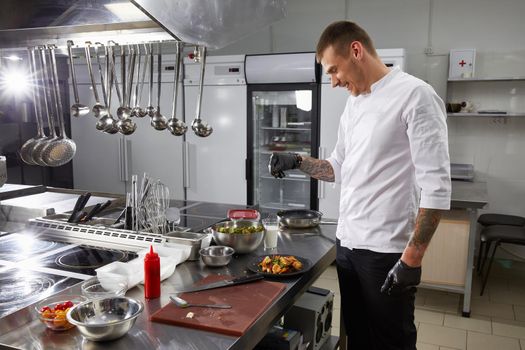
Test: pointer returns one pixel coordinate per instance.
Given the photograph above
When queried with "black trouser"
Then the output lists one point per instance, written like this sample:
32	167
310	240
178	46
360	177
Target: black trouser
373	320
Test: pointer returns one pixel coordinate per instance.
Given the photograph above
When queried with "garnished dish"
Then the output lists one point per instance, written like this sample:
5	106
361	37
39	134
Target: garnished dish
240	229
279	265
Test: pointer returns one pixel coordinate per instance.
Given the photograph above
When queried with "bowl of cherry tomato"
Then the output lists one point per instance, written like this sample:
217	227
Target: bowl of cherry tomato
52	311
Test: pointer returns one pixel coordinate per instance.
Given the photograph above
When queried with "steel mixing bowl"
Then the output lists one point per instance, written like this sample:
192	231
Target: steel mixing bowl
217	255
105	319
241	242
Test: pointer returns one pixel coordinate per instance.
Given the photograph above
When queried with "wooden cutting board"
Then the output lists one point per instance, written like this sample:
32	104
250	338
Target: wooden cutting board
248	302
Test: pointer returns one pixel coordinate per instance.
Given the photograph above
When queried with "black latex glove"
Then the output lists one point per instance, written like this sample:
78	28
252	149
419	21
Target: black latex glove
279	162
401	278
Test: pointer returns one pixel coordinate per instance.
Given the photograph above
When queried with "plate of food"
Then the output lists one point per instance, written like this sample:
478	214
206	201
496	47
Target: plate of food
279	265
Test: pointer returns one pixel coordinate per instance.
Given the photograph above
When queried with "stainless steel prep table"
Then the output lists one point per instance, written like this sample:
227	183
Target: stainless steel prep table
469	196
320	249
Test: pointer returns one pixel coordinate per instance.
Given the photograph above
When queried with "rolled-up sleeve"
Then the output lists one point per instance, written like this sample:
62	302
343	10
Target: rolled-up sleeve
338	154
428	138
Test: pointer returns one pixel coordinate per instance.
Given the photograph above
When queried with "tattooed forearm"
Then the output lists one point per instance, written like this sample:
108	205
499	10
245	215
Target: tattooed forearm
318	168
426	224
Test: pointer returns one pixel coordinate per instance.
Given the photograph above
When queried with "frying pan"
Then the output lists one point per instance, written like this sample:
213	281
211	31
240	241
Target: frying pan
301	218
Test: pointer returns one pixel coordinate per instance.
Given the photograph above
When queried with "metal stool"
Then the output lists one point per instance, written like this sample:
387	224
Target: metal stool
497	234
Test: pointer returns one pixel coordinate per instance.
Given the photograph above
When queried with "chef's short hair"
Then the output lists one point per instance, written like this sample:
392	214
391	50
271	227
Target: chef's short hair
339	35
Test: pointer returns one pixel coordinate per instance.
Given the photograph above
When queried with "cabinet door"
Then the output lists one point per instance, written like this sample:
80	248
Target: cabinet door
157	152
445	261
333	102
217	163
97	163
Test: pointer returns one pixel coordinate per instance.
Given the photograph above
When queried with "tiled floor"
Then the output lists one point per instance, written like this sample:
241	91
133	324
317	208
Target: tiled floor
497	320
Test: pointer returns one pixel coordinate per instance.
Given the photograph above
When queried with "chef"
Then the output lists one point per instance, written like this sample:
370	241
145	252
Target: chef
391	159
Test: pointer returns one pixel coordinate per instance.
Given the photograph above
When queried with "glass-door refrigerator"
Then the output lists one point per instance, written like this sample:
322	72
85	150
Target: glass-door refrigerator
283	116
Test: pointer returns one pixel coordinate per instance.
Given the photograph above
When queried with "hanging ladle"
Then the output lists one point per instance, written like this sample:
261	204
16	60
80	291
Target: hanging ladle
201	128
158	121
98	108
63	149
138	111
27	148
125	125
123	111
77	109
176	126
106	122
38	149
150	110
100	71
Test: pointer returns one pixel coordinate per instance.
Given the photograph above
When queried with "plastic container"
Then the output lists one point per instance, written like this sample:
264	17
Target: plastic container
151	275
52	311
99	288
243	214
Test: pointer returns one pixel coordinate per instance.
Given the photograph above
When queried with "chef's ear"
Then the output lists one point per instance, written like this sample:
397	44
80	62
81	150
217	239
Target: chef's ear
356	50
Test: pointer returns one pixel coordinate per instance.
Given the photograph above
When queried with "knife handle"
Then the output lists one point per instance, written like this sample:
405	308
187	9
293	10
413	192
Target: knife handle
76	208
246	279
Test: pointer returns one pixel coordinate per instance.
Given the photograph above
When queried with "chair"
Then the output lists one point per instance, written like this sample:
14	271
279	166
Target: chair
501	219
495	219
497	234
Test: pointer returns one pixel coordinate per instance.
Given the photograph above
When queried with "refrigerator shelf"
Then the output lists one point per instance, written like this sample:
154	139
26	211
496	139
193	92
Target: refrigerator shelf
280	206
302	153
287	178
285	129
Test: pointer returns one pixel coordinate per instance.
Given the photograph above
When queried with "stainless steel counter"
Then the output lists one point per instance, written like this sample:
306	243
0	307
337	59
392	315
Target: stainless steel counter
23	330
467	194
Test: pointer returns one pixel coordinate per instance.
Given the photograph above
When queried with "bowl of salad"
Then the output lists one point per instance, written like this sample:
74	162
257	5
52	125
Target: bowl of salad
242	235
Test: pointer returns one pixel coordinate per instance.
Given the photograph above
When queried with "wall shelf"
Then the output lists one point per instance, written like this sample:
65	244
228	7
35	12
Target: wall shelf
491	115
516	78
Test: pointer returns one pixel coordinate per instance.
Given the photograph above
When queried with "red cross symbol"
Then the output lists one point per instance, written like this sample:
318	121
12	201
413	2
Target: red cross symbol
462	63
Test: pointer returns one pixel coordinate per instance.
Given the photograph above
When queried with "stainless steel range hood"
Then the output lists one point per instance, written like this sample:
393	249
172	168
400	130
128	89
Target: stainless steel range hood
214	23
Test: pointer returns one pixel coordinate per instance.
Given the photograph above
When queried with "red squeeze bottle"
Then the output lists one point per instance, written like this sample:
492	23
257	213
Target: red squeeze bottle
151	275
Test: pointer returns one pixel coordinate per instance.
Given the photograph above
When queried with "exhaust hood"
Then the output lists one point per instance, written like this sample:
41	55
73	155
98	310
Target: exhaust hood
213	23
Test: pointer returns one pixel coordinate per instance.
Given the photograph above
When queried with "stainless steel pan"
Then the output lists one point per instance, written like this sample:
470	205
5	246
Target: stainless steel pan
299	218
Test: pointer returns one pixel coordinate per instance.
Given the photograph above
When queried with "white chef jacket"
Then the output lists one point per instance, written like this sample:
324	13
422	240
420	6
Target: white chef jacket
391	157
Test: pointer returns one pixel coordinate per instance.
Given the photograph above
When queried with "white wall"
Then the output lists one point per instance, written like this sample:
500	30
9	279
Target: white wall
496	29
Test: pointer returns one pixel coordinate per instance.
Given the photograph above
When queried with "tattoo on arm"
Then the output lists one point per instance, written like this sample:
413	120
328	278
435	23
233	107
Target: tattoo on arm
426	223
318	168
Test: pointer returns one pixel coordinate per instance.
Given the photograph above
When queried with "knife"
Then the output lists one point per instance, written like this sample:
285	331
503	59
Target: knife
76	208
220	284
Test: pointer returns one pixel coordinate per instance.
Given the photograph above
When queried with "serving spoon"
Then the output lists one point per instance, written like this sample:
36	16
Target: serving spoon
176	126
199	127
77	109
27	148
158	121
183	303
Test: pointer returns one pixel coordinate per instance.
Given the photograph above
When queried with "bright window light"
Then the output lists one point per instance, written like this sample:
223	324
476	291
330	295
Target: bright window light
304	100
13	58
126	12
14	81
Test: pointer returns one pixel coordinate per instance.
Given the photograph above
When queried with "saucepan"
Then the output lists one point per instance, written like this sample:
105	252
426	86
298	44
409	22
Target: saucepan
301	218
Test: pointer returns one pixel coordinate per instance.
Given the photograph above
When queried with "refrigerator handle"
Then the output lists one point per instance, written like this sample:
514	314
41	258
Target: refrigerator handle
320	184
186	164
120	160
247	169
125	144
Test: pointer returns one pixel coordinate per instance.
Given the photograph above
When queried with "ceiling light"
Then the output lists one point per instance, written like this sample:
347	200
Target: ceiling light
126	12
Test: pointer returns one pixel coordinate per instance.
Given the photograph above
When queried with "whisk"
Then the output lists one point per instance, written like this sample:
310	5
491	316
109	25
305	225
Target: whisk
153	200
